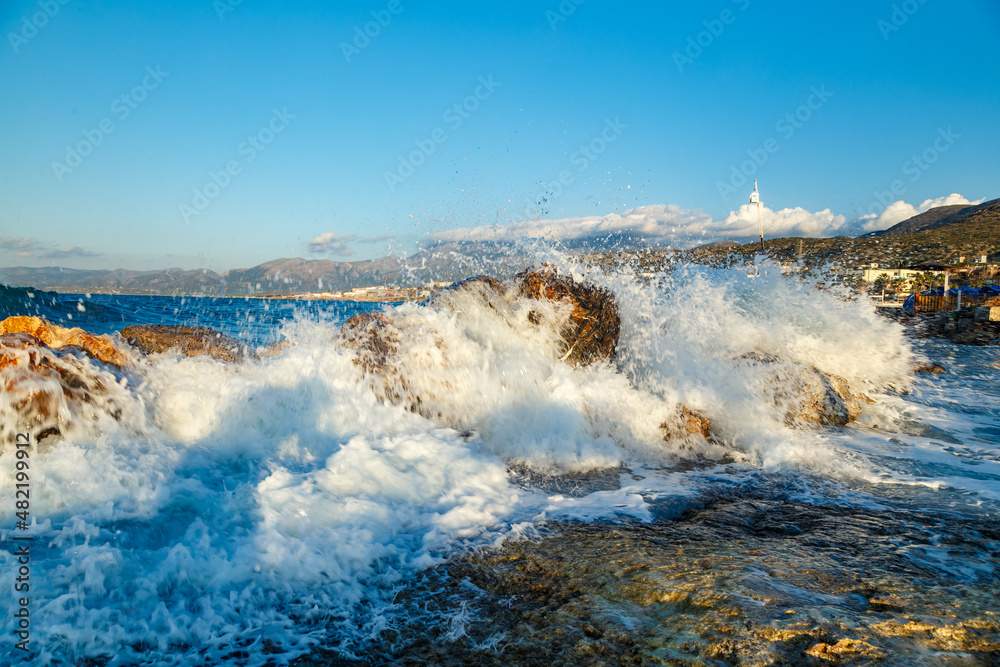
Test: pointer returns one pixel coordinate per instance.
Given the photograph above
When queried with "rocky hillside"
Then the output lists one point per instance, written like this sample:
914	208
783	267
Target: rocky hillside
941	216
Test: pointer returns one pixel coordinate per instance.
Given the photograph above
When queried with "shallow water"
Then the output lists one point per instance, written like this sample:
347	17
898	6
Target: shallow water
278	511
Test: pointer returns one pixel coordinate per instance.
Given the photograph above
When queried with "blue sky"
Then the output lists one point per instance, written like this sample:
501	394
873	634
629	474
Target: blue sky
347	152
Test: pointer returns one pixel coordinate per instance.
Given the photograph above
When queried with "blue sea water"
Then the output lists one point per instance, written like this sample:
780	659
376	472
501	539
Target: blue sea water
254	321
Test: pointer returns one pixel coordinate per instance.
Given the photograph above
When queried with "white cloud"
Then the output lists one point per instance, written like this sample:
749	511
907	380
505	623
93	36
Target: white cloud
332	244
683	228
73	251
899	211
786	222
337	244
656	225
28	247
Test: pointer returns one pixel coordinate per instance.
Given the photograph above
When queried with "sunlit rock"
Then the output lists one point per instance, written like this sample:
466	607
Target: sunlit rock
98	347
190	341
485	289
928	367
46	389
374	339
686	424
591	332
845	649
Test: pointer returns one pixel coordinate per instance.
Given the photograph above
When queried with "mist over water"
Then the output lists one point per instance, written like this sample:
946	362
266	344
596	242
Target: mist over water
252	513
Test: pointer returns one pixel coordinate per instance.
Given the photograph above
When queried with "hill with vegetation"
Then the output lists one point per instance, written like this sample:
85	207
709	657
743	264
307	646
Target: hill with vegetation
941	216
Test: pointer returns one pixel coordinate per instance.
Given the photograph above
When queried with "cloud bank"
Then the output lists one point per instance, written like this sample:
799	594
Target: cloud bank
337	244
673	226
653	225
32	248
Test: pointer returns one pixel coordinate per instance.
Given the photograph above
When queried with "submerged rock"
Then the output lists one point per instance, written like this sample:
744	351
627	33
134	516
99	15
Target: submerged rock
729	579
928	367
191	341
591	332
48	388
101	347
845	649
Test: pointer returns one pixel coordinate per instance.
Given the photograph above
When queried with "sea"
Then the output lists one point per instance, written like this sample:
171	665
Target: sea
279	511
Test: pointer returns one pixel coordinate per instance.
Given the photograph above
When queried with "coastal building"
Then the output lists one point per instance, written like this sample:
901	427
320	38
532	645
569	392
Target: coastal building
870	275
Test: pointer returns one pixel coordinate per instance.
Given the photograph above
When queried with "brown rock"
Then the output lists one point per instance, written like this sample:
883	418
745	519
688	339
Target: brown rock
845	648
808	394
928	367
696	423
373	337
687	423
48	388
486	287
401	372
274	348
591	333
101	347
191	341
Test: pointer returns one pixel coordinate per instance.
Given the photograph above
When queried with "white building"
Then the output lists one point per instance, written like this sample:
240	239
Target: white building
873	274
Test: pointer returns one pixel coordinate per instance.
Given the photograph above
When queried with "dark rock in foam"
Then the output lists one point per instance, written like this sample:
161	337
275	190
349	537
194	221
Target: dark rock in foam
591	332
191	341
50	388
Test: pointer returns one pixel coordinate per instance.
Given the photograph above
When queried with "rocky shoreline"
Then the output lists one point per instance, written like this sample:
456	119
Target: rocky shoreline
970	326
745	580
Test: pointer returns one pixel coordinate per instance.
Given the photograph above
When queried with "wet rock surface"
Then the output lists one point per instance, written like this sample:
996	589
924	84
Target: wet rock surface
190	341
807	394
928	367
101	348
50	388
962	328
591	333
737	581
687	423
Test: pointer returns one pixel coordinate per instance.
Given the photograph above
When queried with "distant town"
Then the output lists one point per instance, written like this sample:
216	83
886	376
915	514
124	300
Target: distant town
377	293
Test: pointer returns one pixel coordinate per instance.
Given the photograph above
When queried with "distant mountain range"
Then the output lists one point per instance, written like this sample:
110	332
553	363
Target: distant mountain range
277	277
937	234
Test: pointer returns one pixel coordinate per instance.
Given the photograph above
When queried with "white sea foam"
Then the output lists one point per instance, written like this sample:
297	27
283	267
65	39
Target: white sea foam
281	501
